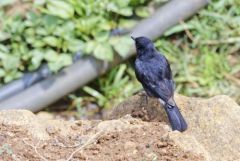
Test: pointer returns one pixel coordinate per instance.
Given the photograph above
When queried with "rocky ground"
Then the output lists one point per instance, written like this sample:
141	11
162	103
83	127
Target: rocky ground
133	131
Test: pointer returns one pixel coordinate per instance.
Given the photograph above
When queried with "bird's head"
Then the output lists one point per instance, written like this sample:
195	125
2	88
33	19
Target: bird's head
143	43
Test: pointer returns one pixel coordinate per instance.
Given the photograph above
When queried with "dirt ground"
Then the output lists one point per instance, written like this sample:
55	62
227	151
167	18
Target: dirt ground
132	131
138	143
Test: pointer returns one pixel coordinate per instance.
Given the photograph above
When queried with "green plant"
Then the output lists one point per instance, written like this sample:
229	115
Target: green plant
6	148
201	50
114	87
53	31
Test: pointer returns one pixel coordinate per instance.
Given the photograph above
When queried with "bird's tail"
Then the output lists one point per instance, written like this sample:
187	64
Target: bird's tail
175	118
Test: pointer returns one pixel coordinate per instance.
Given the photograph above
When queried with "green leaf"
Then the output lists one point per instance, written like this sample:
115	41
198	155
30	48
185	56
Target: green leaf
4	49
112	7
37	57
41	31
2	55
32	20
127	24
120	73
65	31
52	41
177	29
23	49
11	75
39	2
50	21
125	11
64	59
101	36
120	7
36	43
2	72
143	12
103	51
121	45
90	46
61	61
29	32
87	24
11	62
50	55
121	3
4	36
75	45
60	8
93	92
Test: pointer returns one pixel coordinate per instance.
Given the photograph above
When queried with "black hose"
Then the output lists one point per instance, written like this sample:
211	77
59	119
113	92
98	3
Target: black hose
26	81
29	79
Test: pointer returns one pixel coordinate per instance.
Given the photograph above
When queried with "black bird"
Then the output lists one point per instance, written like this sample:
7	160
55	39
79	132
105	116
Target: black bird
153	71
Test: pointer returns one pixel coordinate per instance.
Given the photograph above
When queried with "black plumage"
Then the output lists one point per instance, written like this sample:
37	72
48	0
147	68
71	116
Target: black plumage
153	71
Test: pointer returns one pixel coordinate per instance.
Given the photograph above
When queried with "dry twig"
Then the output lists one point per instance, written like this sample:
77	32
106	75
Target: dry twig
66	146
90	141
35	149
189	34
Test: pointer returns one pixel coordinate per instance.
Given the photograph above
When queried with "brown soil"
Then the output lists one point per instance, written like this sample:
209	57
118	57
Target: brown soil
211	134
142	142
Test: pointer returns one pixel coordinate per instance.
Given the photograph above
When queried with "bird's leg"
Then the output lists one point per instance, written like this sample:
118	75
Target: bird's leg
146	99
145	95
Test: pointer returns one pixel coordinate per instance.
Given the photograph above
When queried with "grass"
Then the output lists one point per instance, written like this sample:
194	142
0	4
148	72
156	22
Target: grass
203	52
115	86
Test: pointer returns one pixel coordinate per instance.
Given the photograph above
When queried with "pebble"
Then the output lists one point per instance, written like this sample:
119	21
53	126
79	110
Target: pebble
51	130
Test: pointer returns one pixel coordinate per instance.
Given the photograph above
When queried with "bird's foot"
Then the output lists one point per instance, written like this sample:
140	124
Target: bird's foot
144	102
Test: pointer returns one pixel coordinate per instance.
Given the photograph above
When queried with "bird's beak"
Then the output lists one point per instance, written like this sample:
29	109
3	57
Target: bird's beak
133	38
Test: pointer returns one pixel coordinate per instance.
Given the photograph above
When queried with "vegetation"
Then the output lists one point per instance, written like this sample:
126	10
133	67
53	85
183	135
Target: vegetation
53	31
203	51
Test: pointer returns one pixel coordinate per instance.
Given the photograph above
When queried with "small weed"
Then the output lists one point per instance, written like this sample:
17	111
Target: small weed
201	51
110	89
6	148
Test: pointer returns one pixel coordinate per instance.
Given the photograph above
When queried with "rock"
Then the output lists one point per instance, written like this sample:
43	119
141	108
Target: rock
189	143
51	130
137	106
24	118
2	138
118	125
213	133
213	123
45	115
35	125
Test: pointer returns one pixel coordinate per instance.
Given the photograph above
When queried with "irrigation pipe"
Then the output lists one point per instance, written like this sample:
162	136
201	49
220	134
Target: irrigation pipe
29	79
25	82
84	70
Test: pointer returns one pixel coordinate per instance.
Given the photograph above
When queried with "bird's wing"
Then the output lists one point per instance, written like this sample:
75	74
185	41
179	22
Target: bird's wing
168	71
165	89
165	64
156	78
159	88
